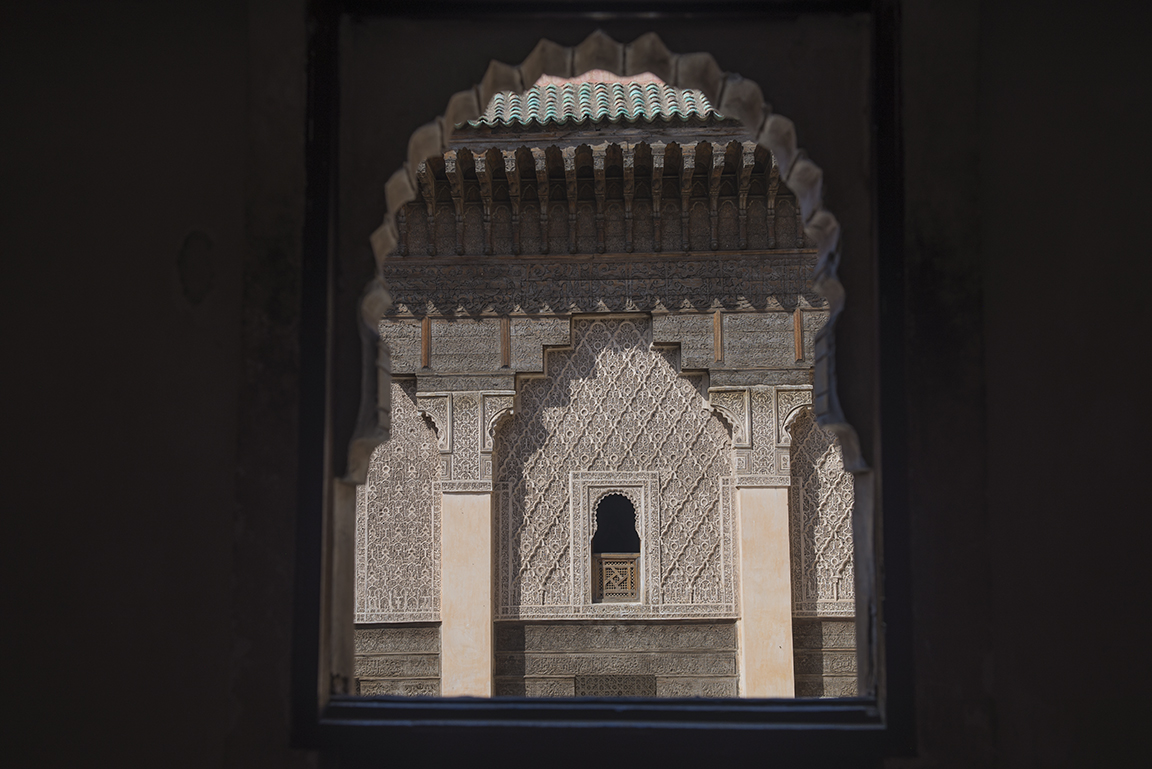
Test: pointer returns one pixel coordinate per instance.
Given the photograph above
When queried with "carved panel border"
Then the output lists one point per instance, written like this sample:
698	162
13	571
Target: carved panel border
585	490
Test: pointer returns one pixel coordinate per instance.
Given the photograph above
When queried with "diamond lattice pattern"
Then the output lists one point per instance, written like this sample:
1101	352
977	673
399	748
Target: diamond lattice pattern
612	403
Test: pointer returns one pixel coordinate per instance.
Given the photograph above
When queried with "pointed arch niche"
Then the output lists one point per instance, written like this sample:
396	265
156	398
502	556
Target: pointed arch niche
733	95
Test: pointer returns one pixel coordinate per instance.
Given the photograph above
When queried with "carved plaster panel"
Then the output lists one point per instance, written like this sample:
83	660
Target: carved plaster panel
398	522
695	335
465	435
612	404
494	407
763	457
821	522
528	337
465	345
437	409
735	405
758	340
403	340
790	401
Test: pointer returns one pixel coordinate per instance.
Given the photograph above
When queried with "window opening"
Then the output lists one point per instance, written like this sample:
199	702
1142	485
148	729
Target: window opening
512	184
615	552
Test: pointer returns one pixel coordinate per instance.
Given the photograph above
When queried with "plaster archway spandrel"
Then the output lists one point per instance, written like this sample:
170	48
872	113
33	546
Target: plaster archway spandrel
733	95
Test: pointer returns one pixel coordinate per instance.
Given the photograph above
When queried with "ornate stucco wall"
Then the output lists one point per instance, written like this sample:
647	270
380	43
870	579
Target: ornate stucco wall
571	319
612	414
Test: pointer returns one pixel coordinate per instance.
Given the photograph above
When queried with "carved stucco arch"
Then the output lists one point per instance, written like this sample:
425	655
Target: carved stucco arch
790	419
632	494
733	95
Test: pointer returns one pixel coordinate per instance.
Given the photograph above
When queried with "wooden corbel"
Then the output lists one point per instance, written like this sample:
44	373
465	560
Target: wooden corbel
540	159
569	155
658	149
747	163
717	170
484	176
629	152
428	187
456	184
513	174
599	154
687	166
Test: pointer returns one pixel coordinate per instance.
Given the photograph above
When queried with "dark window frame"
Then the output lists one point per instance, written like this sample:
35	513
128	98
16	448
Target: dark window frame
846	730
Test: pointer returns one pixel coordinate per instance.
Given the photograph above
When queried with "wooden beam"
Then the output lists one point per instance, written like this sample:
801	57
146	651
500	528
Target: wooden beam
505	341
798	333
426	342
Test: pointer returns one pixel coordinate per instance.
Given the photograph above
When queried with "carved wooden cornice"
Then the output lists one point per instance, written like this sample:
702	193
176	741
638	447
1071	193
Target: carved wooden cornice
603	175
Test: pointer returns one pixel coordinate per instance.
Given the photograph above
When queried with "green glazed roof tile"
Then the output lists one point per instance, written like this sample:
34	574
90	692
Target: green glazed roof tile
564	103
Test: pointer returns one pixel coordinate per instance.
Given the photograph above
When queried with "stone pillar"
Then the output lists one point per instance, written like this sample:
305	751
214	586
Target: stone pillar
765	626
466	594
465	428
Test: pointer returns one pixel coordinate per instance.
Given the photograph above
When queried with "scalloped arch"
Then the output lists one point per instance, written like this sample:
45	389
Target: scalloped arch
732	94
632	494
790	419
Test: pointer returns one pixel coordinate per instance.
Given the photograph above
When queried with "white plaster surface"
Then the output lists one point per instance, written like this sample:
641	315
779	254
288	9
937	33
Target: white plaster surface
765	627
466	599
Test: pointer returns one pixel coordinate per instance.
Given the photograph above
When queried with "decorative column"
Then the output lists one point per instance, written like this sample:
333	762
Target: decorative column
465	423
758	416
765	627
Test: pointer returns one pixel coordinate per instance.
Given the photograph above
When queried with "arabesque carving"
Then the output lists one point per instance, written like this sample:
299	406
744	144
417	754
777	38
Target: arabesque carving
398	521
617	409
821	515
773	132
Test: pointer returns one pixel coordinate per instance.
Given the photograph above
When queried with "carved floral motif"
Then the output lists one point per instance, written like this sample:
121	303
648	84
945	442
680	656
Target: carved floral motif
821	513
613	404
398	522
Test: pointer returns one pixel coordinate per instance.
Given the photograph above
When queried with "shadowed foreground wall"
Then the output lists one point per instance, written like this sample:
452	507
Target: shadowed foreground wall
149	475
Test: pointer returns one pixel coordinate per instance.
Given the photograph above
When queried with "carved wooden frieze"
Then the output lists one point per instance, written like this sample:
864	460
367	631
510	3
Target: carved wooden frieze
545	286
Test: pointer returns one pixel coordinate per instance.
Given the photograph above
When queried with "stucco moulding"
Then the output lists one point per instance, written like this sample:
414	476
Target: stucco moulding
698	70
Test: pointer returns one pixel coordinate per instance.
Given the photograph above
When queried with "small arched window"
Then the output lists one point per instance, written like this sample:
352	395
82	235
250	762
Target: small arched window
615	552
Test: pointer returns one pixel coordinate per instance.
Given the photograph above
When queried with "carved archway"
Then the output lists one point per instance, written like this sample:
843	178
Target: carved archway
734	96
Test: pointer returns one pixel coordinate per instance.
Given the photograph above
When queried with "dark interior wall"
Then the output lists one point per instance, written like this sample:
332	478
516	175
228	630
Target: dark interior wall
123	227
152	160
147	564
1066	96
